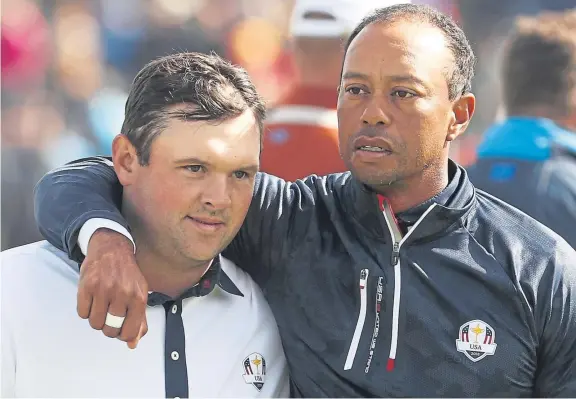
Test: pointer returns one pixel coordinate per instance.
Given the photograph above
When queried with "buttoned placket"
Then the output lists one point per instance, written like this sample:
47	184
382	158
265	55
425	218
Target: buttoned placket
175	369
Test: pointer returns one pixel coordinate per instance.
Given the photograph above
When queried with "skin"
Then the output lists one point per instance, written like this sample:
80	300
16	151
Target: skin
394	90
189	202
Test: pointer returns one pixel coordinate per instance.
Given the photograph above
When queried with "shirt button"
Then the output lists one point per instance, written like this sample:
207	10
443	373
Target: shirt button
175	355
174	309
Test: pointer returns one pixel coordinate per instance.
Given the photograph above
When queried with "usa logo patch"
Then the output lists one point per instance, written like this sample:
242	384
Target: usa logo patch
255	370
476	340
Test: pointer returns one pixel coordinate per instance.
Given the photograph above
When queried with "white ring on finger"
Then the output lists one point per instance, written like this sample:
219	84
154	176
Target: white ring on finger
114	321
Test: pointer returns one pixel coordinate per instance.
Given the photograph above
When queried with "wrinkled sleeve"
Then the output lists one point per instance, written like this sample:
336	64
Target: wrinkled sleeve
66	198
281	214
556	316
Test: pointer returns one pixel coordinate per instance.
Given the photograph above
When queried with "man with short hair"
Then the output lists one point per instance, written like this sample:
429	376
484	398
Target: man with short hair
399	278
186	158
529	159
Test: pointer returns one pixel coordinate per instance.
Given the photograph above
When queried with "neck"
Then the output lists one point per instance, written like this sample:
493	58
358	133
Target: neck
416	190
166	276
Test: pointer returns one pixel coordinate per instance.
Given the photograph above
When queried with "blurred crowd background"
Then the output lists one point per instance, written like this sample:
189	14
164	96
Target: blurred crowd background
67	66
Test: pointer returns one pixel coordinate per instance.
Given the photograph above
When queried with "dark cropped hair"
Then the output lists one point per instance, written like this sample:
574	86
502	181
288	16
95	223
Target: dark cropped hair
460	78
215	90
539	63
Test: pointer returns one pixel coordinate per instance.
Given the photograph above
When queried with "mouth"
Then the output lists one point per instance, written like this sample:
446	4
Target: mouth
373	149
206	224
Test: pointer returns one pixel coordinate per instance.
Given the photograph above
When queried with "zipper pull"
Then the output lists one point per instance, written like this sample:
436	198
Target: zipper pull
395	254
363	277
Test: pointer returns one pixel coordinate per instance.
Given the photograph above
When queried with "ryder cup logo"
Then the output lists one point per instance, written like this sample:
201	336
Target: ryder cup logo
476	340
255	370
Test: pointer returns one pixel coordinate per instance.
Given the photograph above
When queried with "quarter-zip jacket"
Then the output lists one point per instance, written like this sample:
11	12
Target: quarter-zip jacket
530	163
461	296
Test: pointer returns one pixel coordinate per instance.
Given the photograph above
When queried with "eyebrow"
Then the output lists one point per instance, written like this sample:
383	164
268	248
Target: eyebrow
394	78
355	75
407	78
195	161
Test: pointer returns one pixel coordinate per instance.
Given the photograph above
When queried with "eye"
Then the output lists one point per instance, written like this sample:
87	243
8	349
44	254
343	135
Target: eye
194	168
355	91
402	94
240	175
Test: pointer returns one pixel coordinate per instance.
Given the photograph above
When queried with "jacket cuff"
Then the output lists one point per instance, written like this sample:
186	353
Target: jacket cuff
90	227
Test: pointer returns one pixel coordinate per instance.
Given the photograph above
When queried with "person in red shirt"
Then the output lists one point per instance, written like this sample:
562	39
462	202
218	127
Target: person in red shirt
302	130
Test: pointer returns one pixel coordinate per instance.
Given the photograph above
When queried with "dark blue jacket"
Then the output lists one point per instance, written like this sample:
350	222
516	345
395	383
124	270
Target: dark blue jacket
462	295
531	164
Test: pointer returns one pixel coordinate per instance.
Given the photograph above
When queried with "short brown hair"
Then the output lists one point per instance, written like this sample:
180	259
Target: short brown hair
539	63
215	89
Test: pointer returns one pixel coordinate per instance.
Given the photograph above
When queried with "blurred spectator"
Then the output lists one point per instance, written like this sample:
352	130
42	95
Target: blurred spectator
302	131
529	159
486	23
25	44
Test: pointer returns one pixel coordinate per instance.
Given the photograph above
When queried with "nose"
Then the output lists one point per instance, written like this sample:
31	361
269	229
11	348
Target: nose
216	193
374	113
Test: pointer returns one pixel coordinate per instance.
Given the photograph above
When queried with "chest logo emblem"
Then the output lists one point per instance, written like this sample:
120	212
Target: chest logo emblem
476	340
255	370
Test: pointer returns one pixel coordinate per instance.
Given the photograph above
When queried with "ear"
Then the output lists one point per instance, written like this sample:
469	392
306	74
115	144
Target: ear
462	111
125	160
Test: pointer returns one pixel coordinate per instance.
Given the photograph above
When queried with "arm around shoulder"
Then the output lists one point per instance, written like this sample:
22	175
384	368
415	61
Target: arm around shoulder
280	214
66	198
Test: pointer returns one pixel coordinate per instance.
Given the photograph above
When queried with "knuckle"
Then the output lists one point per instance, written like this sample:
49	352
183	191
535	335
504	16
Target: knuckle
110	332
95	325
88	284
140	297
125	336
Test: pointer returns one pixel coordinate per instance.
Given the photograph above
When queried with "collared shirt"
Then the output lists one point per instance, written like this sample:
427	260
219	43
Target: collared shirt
409	217
217	339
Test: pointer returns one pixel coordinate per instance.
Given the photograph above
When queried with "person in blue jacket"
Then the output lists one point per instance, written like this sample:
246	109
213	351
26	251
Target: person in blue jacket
529	159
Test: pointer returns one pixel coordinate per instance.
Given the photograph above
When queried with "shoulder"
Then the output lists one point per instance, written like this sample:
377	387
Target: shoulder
559	177
536	255
36	262
310	184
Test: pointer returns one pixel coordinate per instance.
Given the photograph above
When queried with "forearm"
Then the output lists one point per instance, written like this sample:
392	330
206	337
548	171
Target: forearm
66	198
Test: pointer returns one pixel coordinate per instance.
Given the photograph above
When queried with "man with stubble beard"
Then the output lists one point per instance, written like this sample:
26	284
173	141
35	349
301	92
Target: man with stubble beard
397	278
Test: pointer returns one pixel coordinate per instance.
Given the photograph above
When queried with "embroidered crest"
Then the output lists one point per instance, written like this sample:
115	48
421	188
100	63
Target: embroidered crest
255	370
476	340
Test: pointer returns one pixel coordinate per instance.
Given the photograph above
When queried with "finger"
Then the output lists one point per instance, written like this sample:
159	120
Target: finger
83	301
98	311
116	308
135	318
143	330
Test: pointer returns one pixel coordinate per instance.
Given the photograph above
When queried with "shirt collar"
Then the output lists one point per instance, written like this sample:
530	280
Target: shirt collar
411	216
213	276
